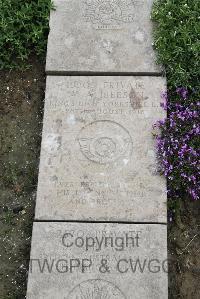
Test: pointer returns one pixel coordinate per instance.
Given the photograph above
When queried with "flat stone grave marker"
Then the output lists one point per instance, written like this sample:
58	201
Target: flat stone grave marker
101	36
98	261
98	154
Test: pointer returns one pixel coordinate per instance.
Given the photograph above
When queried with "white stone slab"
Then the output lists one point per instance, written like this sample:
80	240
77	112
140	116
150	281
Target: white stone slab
98	153
101	36
98	261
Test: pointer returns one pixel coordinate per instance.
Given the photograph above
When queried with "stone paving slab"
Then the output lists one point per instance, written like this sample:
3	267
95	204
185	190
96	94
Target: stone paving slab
101	36
98	153
104	261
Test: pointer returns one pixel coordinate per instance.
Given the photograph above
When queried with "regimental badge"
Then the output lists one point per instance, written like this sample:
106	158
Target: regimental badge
109	14
96	289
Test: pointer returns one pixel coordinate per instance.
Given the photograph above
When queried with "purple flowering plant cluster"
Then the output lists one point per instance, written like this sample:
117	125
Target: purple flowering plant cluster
178	144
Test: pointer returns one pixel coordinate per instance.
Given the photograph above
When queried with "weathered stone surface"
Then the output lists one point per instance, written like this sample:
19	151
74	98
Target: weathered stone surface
98	153
104	261
101	36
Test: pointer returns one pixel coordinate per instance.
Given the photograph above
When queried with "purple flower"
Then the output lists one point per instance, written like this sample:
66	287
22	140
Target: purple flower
177	144
183	92
194	194
164	97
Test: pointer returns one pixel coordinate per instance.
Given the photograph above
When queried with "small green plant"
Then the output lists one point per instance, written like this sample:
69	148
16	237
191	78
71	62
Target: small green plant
24	26
177	40
8	217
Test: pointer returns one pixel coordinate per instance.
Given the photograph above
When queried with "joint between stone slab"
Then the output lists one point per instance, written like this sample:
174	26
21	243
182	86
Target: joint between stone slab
97	222
81	73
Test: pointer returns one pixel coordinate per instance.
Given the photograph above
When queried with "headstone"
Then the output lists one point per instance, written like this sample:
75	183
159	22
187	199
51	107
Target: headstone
101	36
98	261
99	230
98	153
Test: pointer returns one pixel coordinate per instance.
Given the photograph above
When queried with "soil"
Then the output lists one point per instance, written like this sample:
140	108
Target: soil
21	112
184	252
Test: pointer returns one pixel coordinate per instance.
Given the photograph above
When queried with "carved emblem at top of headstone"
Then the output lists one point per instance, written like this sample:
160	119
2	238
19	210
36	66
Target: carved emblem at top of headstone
109	14
96	289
